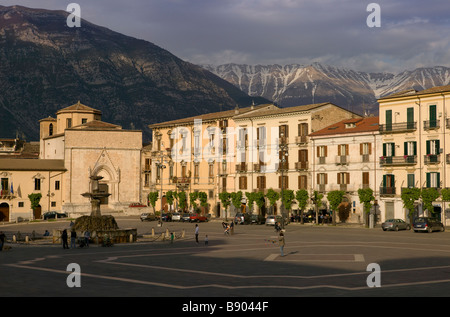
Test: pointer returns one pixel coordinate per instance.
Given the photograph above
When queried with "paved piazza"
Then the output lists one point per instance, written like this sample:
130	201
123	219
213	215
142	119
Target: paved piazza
319	261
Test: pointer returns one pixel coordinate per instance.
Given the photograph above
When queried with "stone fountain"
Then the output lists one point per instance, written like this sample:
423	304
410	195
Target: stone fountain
101	226
94	196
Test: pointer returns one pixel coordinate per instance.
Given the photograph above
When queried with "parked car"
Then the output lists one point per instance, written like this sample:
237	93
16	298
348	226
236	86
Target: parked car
197	218
242	218
176	216
54	215
166	217
186	217
147	216
427	224
271	220
395	224
258	219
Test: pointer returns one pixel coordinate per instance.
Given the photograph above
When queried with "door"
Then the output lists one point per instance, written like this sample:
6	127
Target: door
390	213
4	212
37	212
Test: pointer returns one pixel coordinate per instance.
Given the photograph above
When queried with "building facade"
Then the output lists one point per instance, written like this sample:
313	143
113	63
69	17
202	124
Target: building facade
249	149
414	126
345	157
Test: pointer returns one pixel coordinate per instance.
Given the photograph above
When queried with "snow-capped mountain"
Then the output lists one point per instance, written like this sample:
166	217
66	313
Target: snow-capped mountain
292	85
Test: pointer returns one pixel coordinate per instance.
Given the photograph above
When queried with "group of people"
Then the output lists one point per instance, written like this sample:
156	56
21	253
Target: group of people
73	239
228	228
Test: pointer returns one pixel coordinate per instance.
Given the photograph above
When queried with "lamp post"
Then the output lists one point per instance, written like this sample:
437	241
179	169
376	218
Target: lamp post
283	146
161	167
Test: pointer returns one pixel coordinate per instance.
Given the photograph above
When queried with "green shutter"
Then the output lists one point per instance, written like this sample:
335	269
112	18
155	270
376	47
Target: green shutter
433	122
410	118
428	179
428	147
388	120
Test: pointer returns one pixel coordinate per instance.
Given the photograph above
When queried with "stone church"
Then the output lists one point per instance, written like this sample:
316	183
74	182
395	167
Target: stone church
74	146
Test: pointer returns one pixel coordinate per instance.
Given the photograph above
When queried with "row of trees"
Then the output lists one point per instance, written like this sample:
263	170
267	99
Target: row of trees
428	195
288	198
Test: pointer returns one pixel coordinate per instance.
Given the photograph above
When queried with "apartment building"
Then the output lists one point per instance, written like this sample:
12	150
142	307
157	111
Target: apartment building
248	149
414	126
345	157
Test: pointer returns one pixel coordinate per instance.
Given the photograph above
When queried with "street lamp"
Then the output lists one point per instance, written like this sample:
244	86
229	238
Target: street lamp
161	167
283	146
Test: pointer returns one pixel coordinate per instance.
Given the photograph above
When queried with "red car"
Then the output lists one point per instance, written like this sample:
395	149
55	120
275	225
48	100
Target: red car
197	218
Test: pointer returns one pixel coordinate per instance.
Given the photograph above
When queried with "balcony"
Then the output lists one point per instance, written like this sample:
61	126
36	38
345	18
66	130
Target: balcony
398	160
431	124
387	191
182	180
398	127
431	159
6	194
301	166
301	139
341	159
283	166
241	168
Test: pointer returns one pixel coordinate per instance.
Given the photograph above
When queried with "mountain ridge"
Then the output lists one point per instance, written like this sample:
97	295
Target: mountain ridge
294	84
46	65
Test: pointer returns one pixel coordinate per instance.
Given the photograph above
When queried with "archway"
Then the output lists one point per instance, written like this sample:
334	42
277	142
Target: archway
4	212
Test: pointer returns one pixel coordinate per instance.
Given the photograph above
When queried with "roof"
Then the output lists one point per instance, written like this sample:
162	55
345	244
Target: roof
349	126
96	125
79	107
415	93
208	116
31	165
278	111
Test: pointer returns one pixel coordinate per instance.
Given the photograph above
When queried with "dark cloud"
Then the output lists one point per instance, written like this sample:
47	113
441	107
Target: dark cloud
412	34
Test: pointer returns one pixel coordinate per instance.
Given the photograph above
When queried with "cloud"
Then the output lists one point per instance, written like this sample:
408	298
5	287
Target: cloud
412	32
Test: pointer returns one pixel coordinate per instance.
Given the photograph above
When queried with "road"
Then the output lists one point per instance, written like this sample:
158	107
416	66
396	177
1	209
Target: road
320	261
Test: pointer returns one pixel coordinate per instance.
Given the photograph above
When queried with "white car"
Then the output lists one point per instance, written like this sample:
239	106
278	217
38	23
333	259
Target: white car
176	216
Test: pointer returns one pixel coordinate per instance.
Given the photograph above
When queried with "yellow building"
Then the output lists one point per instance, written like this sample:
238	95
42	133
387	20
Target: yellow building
246	149
415	133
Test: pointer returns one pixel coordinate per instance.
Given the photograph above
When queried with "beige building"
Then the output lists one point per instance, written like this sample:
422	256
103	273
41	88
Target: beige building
247	149
73	147
415	130
345	157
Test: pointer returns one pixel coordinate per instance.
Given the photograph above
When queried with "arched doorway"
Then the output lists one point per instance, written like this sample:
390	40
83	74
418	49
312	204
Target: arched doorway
4	212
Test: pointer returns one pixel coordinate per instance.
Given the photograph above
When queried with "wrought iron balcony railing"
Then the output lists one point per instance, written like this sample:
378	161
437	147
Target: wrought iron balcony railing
398	127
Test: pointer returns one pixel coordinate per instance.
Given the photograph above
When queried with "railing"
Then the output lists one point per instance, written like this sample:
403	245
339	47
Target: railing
241	167
283	166
431	124
342	159
182	180
301	165
385	191
301	139
398	160
398	127
432	159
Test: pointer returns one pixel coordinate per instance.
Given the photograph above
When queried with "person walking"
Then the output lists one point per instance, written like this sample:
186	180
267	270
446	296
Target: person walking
73	239
2	240
206	240
281	242
87	236
64	239
196	233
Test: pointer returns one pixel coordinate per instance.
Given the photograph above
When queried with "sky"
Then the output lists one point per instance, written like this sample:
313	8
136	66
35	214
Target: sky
411	33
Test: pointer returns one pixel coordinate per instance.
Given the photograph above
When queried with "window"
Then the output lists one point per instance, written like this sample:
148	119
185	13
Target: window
432	116
283	182
388	149
68	122
57	185
83	120
243	182
303	182
343	178
21	204
261	182
388	116
37	184
433	180
261	136
411	181
410	148
50	129
410	118
365	180
53	203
